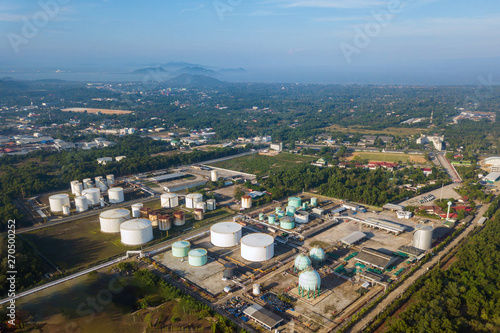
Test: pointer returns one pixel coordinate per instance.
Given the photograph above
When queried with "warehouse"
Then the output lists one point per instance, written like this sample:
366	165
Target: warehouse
353	238
168	177
263	316
375	258
492	177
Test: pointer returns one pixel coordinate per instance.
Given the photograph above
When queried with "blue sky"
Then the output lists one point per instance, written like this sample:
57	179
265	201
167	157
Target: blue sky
280	34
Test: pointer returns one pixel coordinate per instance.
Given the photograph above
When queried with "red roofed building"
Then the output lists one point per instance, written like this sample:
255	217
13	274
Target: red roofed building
427	171
386	165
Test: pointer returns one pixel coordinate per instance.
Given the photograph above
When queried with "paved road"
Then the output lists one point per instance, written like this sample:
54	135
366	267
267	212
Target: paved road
449	168
396	293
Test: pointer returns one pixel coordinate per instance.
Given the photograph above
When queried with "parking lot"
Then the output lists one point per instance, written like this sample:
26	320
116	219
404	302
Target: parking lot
445	192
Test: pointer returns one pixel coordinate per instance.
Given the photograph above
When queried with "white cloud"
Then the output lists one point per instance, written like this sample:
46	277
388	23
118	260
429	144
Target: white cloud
5	17
339	4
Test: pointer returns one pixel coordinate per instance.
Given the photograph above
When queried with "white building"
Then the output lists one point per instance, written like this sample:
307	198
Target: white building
277	146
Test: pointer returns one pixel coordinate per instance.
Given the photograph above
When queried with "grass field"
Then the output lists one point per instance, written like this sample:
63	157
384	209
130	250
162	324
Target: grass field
381	157
387	131
261	164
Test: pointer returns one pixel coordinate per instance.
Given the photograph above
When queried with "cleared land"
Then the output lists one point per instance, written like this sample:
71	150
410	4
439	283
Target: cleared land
90	110
386	157
386	131
260	164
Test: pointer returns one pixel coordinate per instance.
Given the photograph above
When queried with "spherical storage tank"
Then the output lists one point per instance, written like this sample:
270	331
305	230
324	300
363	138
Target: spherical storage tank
197	257
92	195
169	200
309	282
422	238
81	204
225	234
295	202
193	199
112	219
136	232
136	209
57	201
287	223
257	247
302	262
180	249
317	254
116	195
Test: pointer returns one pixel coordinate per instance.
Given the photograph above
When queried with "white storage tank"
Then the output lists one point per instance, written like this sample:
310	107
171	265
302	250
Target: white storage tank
73	186
66	210
112	219
81	204
101	184
169	200
256	289
136	209
211	204
116	195
202	205
193	199
214	176
57	201
225	234
246	201
422	238
110	179
87	183
78	189
257	247
136	232
301	216
92	195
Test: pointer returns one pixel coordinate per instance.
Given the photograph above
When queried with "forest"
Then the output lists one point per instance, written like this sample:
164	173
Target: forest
464	297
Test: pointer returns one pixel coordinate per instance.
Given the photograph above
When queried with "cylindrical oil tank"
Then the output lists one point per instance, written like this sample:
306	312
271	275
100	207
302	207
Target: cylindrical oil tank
314	202
202	205
257	247
101	201
179	218
287	223
180	249
256	289
304	206
57	201
87	183
214	176
73	186
229	270
78	189
81	204
295	202
136	209
422	238
92	195
198	214
110	179
281	213
193	199
136	232
225	234
116	195
277	209
164	223
154	217
169	200
65	210
271	219
211	204
301	216
112	219
197	257
261	216
290	210
246	201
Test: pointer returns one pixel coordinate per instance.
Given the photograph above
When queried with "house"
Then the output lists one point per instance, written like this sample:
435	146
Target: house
427	171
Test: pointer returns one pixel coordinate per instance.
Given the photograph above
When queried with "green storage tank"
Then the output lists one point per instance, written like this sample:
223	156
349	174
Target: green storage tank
287	223
295	202
261	216
290	211
277	209
314	202
197	257
180	249
281	213
304	205
271	219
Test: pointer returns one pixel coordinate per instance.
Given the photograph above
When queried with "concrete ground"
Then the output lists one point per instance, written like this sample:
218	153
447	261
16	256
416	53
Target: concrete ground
445	193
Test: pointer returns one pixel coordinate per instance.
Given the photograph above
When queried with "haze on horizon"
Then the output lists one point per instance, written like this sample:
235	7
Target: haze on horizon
341	41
